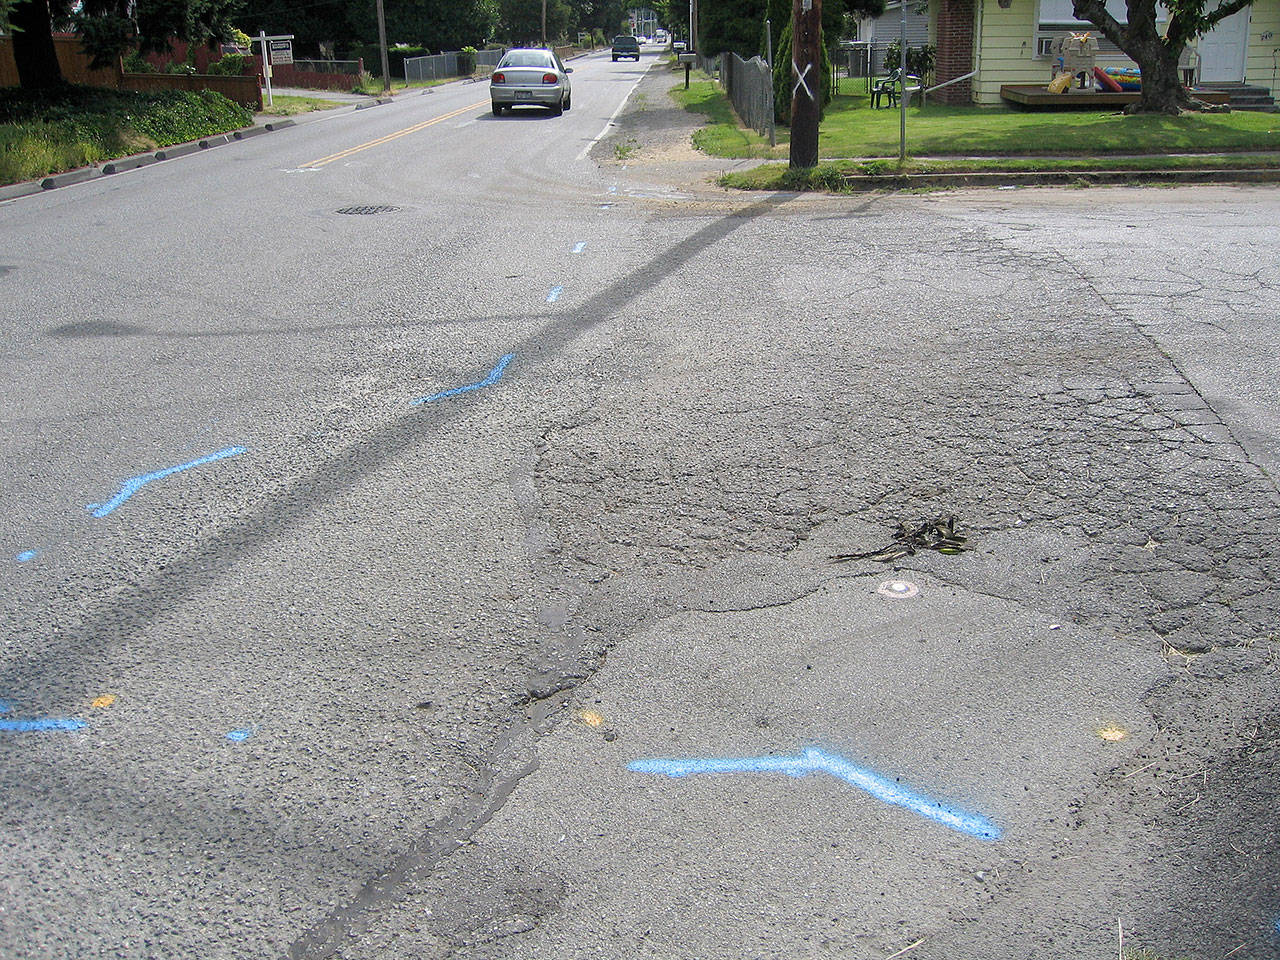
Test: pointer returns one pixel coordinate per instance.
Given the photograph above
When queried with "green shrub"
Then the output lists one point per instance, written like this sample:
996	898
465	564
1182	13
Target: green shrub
920	60
231	65
137	63
366	84
466	61
53	131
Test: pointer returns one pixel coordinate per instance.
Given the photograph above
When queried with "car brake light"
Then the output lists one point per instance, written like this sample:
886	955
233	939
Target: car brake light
550	78
499	78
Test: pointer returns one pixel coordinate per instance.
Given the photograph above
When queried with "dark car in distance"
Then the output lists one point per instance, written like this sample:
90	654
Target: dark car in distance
626	47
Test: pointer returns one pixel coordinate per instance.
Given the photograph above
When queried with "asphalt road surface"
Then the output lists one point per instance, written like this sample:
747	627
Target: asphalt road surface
418	543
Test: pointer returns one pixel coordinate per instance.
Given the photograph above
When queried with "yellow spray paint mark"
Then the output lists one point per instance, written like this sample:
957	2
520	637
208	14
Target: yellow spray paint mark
1111	733
591	718
106	700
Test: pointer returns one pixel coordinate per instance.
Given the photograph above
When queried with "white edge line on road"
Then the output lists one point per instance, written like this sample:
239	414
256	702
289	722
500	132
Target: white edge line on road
608	123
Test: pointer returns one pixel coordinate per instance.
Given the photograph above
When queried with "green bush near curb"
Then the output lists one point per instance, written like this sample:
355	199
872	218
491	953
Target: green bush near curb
51	132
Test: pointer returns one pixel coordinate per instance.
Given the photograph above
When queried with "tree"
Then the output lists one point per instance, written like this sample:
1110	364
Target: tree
731	26
108	28
672	14
835	14
1157	56
521	20
606	16
436	24
312	24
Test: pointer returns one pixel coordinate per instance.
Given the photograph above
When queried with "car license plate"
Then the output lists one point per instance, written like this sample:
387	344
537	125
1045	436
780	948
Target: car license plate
524	93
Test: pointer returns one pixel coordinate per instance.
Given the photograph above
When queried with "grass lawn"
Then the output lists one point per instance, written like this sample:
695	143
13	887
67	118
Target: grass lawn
852	129
287	106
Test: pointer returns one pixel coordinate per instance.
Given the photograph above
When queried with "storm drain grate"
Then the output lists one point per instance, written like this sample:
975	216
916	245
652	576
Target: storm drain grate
369	209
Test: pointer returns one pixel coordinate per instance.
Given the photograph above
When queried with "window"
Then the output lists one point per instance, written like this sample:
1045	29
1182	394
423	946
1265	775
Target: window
1057	18
526	58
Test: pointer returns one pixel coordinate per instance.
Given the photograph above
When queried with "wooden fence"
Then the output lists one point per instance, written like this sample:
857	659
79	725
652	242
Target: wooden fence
71	57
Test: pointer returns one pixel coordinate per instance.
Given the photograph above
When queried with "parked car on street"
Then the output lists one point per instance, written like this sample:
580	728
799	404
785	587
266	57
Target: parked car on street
624	47
530	77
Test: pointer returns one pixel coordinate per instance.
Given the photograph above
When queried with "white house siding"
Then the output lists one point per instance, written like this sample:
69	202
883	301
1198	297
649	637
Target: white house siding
1006	49
1262	62
886	28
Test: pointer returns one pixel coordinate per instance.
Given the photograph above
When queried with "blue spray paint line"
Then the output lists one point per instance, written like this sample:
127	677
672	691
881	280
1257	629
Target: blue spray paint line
134	484
579	246
27	555
554	295
818	761
239	736
494	376
48	723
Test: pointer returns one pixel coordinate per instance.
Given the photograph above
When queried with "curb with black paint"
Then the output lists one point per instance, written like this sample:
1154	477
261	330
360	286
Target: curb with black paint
1046	178
85	174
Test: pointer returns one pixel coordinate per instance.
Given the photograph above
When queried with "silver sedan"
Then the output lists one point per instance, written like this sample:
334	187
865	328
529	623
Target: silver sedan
530	77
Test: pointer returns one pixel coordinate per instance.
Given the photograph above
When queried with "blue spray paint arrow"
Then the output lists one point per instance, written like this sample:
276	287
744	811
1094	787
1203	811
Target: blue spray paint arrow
494	376
813	760
46	723
131	486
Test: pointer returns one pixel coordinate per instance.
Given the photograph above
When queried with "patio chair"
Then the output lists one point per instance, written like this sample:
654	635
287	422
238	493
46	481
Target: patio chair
886	88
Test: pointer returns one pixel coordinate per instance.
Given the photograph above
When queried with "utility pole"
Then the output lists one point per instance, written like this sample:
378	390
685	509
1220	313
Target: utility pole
768	52
544	22
382	45
902	89
806	77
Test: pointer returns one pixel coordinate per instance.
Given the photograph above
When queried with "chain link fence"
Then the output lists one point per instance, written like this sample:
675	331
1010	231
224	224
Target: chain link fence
439	67
444	66
749	84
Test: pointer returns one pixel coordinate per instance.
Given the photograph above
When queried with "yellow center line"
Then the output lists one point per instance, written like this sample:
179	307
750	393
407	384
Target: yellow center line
392	136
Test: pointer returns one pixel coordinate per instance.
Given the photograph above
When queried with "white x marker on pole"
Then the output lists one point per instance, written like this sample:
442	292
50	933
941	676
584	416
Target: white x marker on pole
800	82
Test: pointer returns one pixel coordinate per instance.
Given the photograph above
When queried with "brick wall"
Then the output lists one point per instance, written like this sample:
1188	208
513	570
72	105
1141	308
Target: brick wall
244	90
955	50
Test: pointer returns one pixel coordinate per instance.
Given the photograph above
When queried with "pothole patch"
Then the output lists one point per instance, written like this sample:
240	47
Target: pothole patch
368	209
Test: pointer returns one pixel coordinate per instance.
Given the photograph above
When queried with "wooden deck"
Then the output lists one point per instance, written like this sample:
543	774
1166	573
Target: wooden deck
1037	97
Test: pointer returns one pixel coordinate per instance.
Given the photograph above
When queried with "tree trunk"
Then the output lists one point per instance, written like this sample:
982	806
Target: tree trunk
33	50
1162	90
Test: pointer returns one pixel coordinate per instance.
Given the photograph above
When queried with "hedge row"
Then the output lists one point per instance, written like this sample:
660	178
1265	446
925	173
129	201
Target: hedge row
50	132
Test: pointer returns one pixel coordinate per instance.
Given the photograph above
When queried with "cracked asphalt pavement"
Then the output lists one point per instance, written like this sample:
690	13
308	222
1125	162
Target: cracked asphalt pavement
448	635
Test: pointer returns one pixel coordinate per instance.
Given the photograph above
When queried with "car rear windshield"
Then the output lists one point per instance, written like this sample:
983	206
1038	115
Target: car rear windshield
526	58
625	42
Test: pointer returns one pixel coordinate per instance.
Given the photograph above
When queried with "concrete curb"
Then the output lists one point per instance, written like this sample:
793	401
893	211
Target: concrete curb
85	174
128	163
68	178
15	190
1060	178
